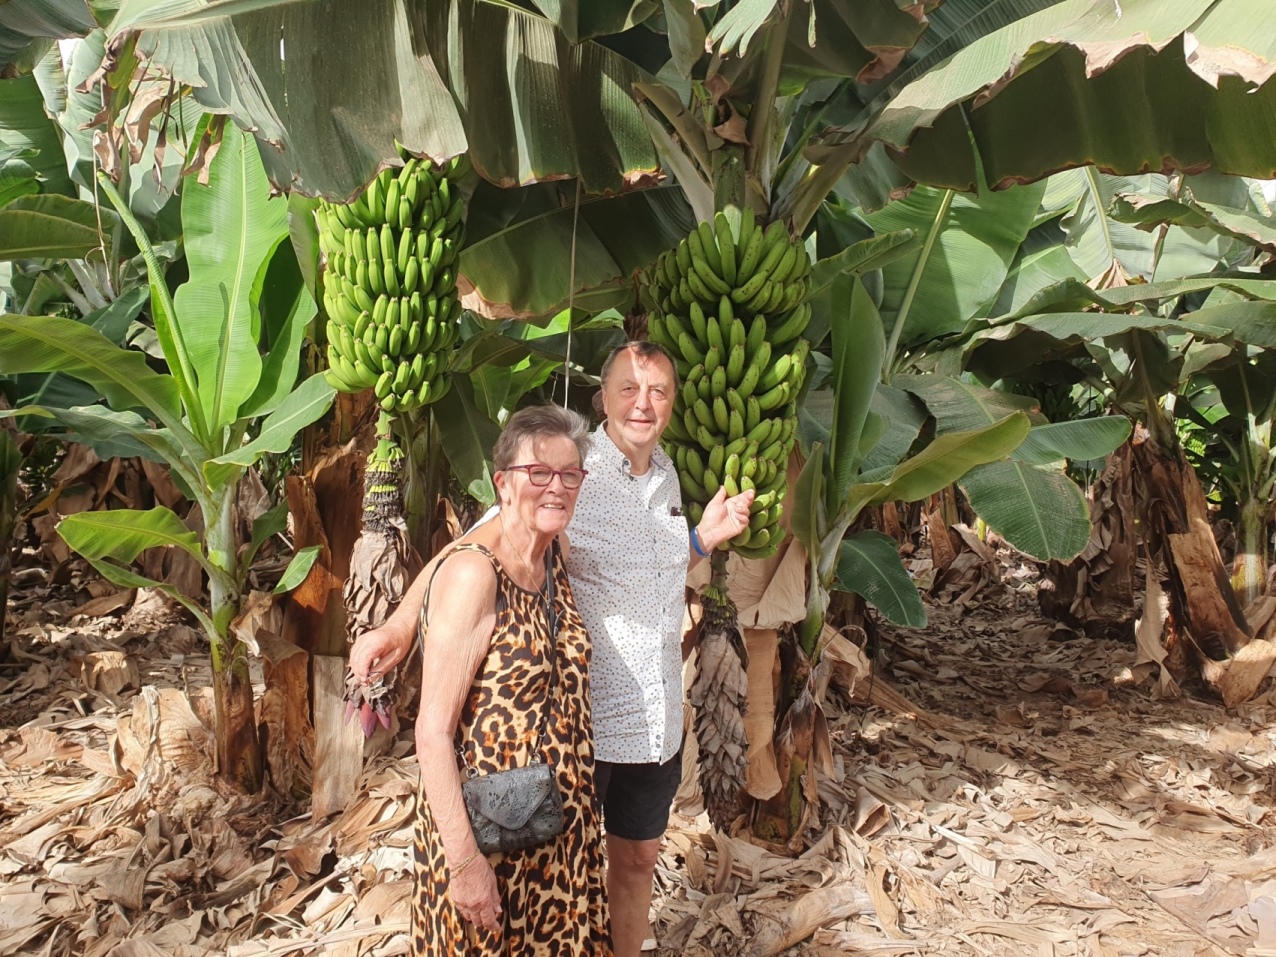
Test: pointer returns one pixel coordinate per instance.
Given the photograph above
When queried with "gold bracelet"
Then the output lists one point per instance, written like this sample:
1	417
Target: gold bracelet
464	864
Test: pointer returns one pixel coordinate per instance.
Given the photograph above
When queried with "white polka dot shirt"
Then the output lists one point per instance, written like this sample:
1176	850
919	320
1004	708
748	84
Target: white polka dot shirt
628	566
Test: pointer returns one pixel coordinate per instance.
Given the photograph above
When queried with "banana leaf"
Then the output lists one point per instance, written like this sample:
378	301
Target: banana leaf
57	390
303	406
1041	512
24	125
112	434
1062	78
868	565
232	227
298	568
858	350
1149	212
1080	440
614	238
122	377
585	19
858	259
942	462
467	436
121	534
443	78
24	21
50	226
966	245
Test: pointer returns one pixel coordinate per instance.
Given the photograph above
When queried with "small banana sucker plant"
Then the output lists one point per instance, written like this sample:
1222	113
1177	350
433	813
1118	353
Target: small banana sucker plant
231	336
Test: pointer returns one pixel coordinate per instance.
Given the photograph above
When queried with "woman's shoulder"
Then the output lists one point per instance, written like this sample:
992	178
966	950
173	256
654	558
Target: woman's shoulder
466	565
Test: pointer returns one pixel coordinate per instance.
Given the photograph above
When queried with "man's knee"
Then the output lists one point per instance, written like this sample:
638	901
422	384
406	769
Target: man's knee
633	856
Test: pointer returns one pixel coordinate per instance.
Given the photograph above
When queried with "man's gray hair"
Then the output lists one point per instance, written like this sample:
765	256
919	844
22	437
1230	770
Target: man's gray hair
643	349
539	422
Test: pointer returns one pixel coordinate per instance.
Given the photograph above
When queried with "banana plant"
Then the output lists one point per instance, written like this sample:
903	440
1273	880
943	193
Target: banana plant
1236	409
231	337
1138	351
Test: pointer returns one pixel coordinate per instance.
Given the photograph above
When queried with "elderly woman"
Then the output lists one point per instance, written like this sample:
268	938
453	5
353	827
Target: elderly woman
497	658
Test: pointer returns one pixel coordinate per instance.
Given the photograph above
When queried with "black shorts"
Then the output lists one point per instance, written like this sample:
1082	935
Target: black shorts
636	798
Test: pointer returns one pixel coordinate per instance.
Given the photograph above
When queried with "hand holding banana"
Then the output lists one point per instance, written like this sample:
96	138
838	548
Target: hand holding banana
724	518
730	305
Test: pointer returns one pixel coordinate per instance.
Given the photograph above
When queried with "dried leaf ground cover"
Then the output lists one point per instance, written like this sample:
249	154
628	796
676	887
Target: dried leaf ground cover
1010	792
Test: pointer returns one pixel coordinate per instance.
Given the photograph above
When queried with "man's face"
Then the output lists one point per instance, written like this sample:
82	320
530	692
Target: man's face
638	398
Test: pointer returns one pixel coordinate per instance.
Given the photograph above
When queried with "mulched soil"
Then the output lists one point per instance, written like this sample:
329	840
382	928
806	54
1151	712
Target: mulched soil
1014	789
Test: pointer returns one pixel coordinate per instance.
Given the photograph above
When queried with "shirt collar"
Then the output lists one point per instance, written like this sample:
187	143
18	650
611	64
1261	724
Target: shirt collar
611	457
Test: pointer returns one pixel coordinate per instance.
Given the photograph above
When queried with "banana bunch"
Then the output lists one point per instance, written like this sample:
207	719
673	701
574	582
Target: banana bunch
730	305
390	294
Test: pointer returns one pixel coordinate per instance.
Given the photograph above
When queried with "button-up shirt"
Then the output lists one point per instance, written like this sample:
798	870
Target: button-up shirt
628	567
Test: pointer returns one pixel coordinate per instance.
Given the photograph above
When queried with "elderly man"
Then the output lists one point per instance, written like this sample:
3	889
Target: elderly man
628	561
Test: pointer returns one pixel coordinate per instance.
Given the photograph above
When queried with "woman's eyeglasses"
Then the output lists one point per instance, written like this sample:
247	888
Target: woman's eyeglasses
542	475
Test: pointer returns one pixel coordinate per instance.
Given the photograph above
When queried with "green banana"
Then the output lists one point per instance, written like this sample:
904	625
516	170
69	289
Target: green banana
793	326
735	364
717	458
726	320
709	276
726	248
709	247
721	415
691	487
777	373
719	382
704	414
734	401
712	359
698	321
696	285
776	397
687	346
714	335
711	485
694	463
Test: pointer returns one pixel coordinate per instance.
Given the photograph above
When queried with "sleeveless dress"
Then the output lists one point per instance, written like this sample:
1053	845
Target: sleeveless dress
553	895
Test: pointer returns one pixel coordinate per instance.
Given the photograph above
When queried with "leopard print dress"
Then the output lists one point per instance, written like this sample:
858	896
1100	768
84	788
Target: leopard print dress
553	895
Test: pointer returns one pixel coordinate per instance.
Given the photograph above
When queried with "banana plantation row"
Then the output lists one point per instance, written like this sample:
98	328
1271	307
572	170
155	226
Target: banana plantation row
887	255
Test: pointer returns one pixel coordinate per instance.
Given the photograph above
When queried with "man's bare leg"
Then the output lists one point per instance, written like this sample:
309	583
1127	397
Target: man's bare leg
631	870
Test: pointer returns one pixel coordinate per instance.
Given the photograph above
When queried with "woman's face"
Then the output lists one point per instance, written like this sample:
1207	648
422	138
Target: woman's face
543	510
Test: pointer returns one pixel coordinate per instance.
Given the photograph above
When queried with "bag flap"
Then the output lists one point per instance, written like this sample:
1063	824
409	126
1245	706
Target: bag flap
510	797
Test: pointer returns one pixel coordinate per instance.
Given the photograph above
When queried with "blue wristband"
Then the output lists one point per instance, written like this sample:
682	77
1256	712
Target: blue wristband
695	543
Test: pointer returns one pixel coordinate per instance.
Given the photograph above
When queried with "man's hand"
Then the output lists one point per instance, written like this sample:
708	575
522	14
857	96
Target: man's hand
724	518
377	652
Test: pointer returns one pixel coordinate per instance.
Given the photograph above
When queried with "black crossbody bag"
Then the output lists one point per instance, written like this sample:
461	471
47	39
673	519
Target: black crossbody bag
520	807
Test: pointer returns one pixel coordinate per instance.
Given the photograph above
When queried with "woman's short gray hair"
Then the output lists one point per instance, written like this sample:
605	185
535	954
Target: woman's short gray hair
539	422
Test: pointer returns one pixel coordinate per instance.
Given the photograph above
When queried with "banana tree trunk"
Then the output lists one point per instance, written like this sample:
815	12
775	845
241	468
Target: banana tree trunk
238	748
10	460
1095	590
779	819
1249	575
1175	518
324	500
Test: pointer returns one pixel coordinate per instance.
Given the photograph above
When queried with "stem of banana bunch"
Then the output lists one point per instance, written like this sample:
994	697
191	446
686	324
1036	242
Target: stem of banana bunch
383	497
718	574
